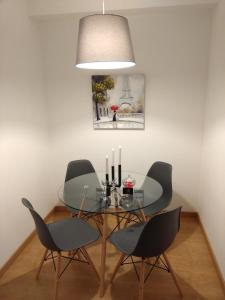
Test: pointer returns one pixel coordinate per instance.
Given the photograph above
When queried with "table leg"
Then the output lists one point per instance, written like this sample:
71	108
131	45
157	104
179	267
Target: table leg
103	256
143	215
141	280
117	219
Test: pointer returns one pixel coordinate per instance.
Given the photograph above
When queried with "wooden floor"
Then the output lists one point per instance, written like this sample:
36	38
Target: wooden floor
189	256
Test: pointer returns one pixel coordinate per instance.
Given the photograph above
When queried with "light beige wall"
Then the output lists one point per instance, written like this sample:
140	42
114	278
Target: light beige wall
212	189
171	47
23	126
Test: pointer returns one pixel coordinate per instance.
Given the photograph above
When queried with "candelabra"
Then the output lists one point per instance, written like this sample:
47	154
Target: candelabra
113	183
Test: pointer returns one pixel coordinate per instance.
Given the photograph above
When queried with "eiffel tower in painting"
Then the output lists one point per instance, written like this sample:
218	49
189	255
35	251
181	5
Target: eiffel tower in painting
126	97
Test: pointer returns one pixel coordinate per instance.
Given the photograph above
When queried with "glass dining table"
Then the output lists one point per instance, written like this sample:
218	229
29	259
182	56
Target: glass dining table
86	194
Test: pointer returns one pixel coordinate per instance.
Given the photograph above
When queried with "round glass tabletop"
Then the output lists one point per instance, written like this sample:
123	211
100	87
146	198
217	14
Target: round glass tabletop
87	193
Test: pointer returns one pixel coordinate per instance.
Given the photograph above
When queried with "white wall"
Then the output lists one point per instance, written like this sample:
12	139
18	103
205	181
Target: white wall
171	47
212	189
23	127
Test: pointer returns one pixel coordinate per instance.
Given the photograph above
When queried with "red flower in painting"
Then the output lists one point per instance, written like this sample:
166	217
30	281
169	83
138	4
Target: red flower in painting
114	107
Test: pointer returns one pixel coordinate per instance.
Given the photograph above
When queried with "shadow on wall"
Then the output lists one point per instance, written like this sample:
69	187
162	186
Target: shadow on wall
178	200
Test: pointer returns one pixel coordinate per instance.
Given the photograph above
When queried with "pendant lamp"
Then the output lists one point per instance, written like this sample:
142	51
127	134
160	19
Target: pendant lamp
104	42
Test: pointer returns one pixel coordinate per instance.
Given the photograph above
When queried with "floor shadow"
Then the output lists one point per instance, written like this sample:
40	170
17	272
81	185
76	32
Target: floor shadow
78	279
155	287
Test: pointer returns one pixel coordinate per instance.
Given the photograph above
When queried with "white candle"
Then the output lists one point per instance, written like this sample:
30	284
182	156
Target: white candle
120	150
113	156
107	164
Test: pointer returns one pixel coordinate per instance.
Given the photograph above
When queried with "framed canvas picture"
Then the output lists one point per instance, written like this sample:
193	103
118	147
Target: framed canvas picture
118	101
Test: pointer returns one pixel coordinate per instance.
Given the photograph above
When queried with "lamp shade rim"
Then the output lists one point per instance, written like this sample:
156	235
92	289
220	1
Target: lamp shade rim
102	15
106	65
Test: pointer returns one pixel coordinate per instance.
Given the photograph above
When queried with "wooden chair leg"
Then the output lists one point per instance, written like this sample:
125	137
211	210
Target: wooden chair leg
99	228
130	219
100	218
118	221
117	267
103	256
173	275
71	253
41	264
78	255
141	281
127	220
57	274
98	223
86	255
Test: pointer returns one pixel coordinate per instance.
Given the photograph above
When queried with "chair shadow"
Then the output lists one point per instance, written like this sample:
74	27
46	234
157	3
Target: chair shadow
192	226
159	286
73	282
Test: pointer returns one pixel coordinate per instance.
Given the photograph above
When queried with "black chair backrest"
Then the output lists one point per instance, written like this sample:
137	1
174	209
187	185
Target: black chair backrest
77	168
42	229
162	172
158	234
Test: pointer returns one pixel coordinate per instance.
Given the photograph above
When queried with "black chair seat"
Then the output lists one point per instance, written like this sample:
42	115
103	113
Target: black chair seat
126	239
73	233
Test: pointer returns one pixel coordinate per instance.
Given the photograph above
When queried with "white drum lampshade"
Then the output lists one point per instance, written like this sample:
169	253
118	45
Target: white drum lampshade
104	42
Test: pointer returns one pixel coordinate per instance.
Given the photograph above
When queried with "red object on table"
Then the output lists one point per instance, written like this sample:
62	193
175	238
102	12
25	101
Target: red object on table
128	184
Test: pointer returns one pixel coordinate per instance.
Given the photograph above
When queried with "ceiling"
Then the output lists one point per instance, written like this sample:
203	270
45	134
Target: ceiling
57	7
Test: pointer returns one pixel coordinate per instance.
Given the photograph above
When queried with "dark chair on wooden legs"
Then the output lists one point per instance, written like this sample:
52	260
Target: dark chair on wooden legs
146	240
70	235
77	168
161	172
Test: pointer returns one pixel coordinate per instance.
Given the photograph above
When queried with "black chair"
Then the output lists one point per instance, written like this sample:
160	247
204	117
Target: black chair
145	240
71	235
161	172
77	168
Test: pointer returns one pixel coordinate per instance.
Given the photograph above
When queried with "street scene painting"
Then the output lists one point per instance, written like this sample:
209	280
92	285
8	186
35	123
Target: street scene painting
118	101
